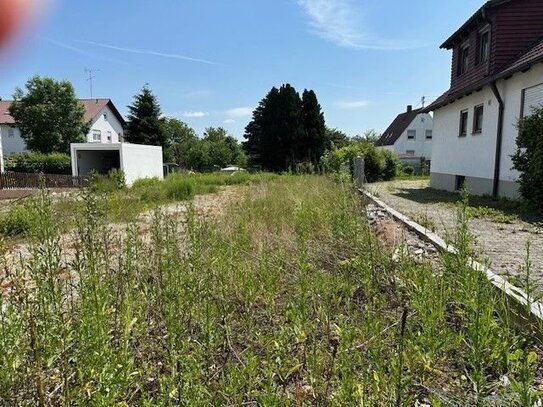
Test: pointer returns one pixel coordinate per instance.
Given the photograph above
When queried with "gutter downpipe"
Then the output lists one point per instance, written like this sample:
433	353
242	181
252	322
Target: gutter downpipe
499	137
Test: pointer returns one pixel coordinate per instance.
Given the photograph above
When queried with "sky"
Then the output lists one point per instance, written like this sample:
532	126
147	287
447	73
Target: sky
210	62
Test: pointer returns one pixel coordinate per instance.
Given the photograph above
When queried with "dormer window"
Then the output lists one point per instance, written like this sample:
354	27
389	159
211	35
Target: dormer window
483	43
463	59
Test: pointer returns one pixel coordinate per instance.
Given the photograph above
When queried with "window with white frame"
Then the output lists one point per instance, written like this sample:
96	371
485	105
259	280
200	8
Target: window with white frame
11	132
96	136
410	153
428	134
109	137
411	134
105	117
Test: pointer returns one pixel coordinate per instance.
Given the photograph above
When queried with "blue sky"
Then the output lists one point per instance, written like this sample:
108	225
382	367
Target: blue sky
211	61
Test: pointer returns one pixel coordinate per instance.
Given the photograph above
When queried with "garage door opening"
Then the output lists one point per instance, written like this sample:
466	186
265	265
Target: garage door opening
100	161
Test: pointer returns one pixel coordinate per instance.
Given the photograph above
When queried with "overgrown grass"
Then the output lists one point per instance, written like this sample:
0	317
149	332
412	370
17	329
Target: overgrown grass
122	204
287	299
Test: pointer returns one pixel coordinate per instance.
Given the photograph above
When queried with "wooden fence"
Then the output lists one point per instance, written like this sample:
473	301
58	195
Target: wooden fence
20	180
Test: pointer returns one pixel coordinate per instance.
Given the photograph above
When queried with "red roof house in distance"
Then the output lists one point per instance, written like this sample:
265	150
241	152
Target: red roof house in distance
496	78
106	125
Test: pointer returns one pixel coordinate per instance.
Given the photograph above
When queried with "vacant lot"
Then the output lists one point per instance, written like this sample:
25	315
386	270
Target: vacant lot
282	298
501	229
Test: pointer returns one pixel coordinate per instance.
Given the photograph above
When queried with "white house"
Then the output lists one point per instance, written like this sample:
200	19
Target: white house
410	136
106	125
497	78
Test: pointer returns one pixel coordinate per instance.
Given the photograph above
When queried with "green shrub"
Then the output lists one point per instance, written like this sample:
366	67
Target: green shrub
378	164
113	181
33	162
149	190
178	187
528	158
19	220
408	170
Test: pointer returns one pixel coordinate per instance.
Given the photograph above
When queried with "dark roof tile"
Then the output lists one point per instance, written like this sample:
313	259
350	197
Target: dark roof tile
397	127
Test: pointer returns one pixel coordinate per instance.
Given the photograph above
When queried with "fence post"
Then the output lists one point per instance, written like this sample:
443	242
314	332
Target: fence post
359	173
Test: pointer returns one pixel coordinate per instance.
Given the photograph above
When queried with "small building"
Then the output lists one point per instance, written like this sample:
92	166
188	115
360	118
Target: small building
105	121
410	136
496	78
135	160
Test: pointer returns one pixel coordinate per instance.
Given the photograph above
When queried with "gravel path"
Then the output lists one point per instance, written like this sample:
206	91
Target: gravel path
503	244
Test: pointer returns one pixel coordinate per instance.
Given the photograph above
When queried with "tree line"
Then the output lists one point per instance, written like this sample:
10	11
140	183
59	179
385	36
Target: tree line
286	129
50	118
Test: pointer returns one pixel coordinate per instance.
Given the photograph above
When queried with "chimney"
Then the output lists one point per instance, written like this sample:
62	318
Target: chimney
409	108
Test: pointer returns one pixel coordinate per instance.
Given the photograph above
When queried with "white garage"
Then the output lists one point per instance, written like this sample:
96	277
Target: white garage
135	160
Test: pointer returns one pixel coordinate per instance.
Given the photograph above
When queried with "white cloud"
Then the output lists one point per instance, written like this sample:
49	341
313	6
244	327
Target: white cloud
340	22
239	112
353	104
229	121
193	115
148	52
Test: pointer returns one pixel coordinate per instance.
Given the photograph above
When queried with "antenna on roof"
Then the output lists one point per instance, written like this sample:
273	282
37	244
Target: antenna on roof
91	72
423	101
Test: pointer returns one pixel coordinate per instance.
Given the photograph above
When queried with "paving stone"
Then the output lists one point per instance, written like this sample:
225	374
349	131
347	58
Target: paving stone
502	245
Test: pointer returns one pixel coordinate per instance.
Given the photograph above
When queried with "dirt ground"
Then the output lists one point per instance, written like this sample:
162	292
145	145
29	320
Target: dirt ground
205	206
504	245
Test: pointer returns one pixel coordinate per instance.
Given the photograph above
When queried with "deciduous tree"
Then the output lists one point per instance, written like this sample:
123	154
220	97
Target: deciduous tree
49	115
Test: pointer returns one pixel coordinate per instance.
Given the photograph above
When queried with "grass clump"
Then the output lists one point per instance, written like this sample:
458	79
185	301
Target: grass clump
287	299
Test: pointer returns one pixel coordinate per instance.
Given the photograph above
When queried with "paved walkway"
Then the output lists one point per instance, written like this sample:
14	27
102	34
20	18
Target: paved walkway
503	244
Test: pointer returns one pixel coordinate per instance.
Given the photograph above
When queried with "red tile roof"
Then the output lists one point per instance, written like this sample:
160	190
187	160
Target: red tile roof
92	109
397	127
5	117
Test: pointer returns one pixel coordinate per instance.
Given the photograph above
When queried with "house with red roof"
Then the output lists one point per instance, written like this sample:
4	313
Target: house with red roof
106	125
496	79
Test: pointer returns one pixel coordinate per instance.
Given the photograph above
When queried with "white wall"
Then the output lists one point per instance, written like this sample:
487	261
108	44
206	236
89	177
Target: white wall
111	123
420	145
136	160
13	144
474	155
139	161
512	94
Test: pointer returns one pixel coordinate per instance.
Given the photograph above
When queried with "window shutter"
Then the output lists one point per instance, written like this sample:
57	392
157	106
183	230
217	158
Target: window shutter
532	99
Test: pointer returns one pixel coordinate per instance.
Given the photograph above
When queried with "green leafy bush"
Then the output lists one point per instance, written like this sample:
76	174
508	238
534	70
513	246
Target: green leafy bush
528	158
34	162
378	164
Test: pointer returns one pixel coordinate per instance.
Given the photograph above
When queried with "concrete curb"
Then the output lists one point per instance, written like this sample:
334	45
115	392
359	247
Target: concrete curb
518	295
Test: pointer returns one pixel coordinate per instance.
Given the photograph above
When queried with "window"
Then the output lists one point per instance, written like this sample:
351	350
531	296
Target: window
97	136
410	153
463	124
478	119
459	182
105	117
109	137
428	134
11	132
411	134
463	59
484	46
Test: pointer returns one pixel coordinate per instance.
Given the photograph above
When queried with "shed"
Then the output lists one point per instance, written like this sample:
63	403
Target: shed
135	160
